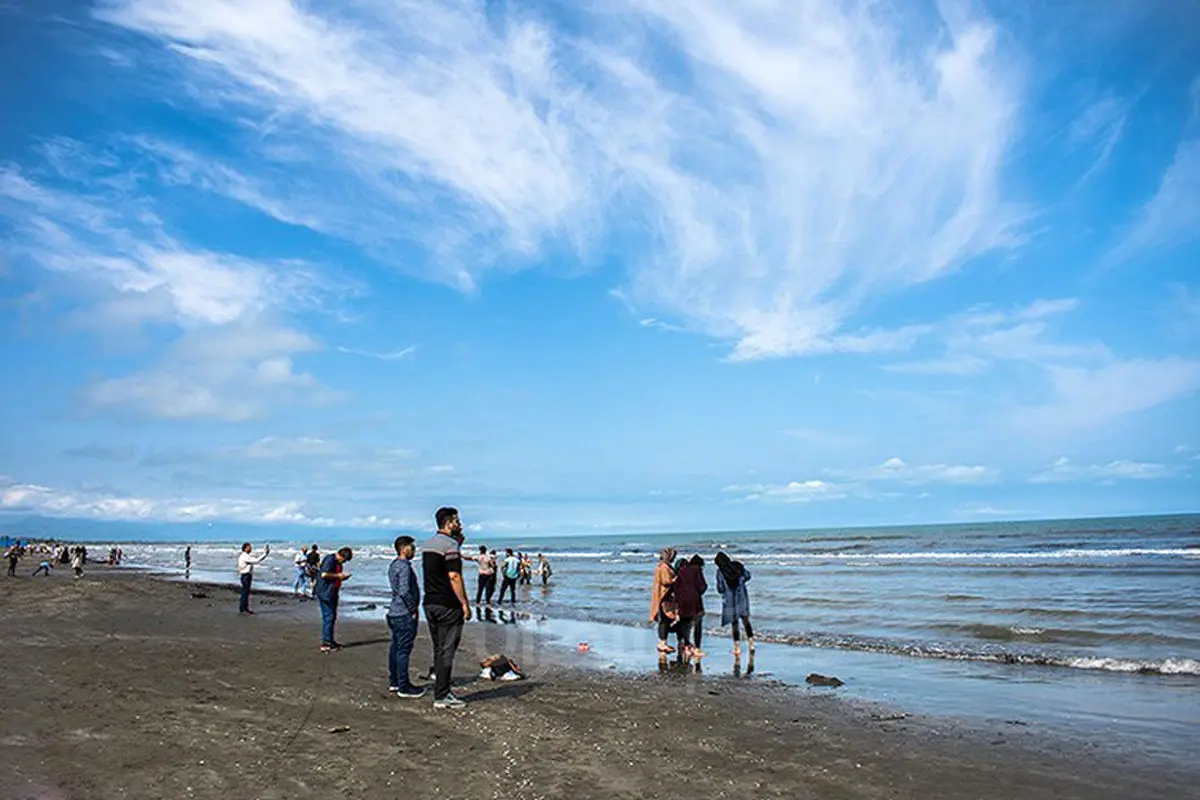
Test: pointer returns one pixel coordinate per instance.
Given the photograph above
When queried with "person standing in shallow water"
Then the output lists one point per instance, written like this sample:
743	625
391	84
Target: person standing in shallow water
690	587
732	577
246	564
664	578
187	563
487	576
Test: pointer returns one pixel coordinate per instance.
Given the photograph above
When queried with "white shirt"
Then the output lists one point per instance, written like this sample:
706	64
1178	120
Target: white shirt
246	562
300	559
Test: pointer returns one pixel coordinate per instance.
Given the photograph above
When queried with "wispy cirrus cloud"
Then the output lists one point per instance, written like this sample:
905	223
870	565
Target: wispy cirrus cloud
1065	471
1086	398
798	162
391	355
977	340
1171	217
898	470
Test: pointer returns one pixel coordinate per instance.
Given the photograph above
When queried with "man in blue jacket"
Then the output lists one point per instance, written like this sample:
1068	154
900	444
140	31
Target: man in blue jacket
402	617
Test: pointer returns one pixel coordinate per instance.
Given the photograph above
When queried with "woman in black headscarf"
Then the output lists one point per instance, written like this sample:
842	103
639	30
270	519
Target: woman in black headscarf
732	577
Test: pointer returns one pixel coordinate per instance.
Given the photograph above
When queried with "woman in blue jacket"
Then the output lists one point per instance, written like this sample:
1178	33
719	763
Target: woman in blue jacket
732	577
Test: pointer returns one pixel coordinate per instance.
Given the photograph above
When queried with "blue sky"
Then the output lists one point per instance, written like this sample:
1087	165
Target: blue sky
719	265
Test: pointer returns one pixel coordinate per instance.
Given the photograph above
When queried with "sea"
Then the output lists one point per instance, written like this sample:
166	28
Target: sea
1088	626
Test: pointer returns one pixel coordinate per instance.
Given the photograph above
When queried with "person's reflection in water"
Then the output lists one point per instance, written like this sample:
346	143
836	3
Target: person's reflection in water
489	615
507	617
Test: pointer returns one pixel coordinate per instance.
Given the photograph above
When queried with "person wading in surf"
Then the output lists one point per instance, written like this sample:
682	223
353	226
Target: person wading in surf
664	578
732	577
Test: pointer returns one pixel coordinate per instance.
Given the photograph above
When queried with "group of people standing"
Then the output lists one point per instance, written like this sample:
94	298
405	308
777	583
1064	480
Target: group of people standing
515	569
76	556
677	602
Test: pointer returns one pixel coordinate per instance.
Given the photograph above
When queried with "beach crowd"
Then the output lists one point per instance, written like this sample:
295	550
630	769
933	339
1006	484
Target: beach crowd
677	596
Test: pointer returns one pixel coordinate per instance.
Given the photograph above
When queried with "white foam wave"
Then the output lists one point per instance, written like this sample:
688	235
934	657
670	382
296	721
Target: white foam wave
1170	666
1040	555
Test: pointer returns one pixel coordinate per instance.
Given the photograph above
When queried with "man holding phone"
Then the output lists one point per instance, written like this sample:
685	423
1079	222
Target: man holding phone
446	604
329	586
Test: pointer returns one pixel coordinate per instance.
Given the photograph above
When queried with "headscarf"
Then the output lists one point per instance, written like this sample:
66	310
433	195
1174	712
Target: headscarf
697	561
730	570
679	563
667	555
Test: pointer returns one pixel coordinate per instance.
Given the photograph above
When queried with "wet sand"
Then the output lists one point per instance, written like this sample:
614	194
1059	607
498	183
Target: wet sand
121	686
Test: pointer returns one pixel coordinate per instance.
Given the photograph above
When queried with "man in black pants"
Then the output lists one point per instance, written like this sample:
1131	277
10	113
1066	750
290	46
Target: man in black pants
446	604
510	571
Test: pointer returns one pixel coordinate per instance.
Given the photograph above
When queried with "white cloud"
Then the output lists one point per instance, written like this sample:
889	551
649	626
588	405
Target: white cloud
391	355
233	373
793	492
895	469
53	502
1089	398
133	270
1171	217
800	160
977	340
1100	128
1063	471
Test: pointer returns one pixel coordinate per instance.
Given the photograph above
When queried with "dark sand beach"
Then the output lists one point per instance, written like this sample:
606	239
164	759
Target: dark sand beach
121	686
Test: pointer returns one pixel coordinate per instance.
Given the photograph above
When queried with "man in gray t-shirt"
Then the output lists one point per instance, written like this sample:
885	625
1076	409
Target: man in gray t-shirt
446	604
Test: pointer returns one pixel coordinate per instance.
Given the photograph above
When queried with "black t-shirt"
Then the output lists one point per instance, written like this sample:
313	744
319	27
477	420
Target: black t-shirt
312	558
439	557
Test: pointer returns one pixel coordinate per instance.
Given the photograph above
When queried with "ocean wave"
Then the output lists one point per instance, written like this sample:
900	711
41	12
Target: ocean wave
1166	666
985	555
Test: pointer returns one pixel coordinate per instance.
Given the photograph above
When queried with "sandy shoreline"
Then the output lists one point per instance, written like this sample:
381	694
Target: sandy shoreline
119	685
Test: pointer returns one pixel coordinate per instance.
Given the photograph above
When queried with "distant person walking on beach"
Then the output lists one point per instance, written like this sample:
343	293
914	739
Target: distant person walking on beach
187	563
45	567
526	570
246	564
487	576
13	555
664	578
510	572
329	587
402	617
544	569
732	577
77	562
690	587
446	605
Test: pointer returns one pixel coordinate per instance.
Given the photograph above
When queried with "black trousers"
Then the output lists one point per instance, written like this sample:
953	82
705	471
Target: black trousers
244	601
698	631
486	588
749	630
510	585
445	629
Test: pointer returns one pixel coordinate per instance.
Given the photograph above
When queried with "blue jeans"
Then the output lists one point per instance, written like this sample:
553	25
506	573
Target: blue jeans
404	633
328	617
301	580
